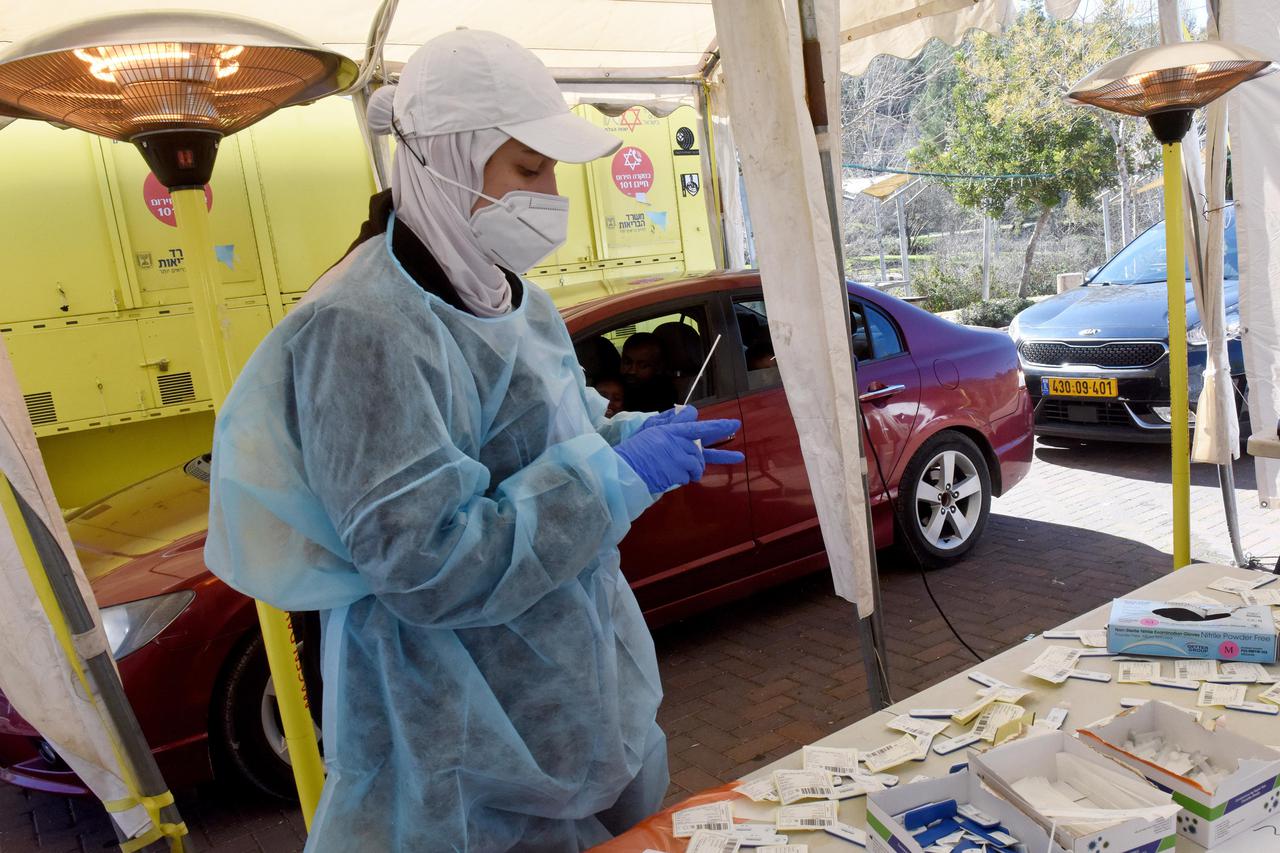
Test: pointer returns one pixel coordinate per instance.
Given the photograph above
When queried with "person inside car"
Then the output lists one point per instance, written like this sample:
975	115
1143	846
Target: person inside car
649	388
612	389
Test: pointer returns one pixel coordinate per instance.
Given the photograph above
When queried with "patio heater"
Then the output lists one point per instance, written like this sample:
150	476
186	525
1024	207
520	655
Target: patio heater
174	84
1165	85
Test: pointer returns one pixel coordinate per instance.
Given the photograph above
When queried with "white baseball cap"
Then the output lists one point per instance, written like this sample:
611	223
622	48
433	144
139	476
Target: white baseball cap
472	79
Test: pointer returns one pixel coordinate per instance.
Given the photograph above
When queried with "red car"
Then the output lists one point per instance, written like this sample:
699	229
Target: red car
947	416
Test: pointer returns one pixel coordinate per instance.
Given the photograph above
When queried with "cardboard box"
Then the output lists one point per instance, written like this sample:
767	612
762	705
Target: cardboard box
886	835
1034	756
1245	798
1172	630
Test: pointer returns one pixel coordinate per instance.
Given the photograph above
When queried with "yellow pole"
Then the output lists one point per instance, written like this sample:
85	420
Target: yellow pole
277	630
1179	427
198	263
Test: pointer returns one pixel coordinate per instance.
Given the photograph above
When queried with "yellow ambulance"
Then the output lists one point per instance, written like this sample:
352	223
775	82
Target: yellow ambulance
94	307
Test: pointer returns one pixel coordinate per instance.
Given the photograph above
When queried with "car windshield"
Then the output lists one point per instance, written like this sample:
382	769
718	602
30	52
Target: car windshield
1143	260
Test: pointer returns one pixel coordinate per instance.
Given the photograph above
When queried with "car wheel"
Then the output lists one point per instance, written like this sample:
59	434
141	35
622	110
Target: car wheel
944	499
248	736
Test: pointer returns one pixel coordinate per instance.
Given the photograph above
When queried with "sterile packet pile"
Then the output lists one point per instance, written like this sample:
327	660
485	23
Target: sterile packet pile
1086	797
1156	749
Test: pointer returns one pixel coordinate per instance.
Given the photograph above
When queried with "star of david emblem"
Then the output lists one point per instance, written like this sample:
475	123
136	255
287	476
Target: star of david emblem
631	157
630	119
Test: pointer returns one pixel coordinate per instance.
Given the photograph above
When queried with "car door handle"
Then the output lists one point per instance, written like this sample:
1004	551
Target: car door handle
881	393
722	442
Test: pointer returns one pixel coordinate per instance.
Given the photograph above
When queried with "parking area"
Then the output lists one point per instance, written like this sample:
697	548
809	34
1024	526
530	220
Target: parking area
750	682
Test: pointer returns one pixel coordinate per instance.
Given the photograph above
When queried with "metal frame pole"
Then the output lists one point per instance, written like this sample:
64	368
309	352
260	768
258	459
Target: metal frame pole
1227	482
277	630
1179	429
902	243
1106	224
870	628
987	240
884	274
711	168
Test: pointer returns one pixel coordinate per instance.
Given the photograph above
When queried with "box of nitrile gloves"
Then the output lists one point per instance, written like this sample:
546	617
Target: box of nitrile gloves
1177	630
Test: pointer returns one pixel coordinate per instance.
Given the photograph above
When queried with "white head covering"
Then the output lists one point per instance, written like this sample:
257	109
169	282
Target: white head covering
460	96
439	213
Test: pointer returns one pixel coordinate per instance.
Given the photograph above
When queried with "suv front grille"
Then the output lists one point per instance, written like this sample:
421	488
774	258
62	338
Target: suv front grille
1121	354
1073	412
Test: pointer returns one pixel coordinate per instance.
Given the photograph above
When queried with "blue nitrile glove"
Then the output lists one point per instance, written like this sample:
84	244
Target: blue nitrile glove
668	455
674	415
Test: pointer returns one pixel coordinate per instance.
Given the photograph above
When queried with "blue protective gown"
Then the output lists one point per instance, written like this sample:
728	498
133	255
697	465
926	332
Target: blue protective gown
443	487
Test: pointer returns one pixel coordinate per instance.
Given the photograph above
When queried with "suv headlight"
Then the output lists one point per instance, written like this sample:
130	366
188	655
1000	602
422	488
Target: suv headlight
131	626
1196	336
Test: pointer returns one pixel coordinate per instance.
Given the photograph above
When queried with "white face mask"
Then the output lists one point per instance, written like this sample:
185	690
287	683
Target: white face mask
521	228
517	230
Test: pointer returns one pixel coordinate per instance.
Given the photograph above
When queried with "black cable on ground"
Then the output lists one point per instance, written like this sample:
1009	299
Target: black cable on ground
884	485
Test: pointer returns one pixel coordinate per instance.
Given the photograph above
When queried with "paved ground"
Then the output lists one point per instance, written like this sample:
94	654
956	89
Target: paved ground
753	681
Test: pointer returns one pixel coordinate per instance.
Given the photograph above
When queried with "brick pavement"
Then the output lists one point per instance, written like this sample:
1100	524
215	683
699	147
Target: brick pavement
752	681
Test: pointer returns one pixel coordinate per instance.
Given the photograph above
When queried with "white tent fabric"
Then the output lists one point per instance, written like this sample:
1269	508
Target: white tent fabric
1256	178
729	177
579	39
1217	430
807	305
34	672
1217	436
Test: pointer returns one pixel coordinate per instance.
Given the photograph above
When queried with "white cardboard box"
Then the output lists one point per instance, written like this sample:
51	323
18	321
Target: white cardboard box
1242	800
1034	756
886	835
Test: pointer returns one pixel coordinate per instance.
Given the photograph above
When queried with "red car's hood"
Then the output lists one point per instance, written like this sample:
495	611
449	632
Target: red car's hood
145	539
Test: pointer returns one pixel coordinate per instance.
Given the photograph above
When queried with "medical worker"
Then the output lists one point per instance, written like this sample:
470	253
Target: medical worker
413	452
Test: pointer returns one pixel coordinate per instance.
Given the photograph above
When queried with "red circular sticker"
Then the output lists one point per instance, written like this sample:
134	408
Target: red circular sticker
160	202
633	172
1229	650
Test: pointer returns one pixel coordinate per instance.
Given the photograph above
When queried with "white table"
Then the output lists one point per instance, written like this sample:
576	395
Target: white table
1088	701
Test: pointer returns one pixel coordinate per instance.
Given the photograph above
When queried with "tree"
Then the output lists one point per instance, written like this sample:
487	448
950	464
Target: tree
1010	120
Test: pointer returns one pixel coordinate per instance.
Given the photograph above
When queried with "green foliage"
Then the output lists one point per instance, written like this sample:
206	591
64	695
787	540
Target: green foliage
945	286
996	313
1009	119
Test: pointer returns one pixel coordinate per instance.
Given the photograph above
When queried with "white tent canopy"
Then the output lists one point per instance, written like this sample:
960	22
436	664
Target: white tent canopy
580	39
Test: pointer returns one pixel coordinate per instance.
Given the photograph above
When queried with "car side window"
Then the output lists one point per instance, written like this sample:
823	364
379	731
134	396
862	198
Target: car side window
757	345
650	363
885	340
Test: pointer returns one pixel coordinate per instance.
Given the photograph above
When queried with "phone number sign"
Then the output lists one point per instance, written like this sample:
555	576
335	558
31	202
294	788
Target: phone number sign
632	172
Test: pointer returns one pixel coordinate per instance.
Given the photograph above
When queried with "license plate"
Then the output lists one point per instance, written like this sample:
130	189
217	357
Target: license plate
1079	387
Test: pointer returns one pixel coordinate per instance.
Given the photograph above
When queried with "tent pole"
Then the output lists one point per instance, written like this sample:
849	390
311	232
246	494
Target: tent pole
884	275
901	206
870	628
99	667
1179	430
1106	224
1227	482
277	630
986	257
711	168
376	147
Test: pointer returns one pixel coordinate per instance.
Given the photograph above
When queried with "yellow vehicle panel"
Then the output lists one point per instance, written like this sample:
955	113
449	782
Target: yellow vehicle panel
150	235
48	274
95	309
